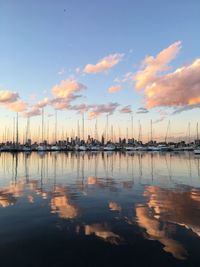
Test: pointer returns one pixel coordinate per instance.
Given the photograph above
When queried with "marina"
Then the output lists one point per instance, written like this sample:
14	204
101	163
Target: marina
99	133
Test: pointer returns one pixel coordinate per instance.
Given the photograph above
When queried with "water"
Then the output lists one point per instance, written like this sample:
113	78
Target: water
99	209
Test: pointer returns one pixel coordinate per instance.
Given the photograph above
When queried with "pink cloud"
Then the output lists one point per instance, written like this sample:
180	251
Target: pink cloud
11	101
8	96
66	88
126	109
179	88
102	109
17	106
81	108
114	89
104	64
35	111
43	103
63	103
152	66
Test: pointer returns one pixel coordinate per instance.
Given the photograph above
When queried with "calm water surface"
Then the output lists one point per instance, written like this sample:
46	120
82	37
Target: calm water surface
99	209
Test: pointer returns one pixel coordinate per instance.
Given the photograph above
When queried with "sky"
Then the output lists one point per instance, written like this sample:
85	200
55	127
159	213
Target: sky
104	59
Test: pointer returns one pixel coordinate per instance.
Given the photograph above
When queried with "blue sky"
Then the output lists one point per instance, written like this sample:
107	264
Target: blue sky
40	39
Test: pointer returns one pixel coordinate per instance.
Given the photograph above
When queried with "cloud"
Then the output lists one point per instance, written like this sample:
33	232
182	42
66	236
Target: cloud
17	106
152	66
126	109
43	103
8	97
62	71
125	78
11	101
142	111
159	120
179	88
114	89
35	111
185	108
104	64
60	103
81	108
102	109
66	88
65	93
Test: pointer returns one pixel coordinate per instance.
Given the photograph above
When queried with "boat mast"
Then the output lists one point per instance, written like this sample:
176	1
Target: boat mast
83	127
17	131
56	126
107	128
166	136
132	126
27	128
96	131
13	130
42	124
189	132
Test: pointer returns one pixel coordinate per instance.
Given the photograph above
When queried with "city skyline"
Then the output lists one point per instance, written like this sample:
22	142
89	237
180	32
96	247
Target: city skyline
73	58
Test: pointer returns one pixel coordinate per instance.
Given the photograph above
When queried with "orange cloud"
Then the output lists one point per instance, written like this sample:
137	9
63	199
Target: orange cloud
18	106
104	64
114	206
11	101
103	232
152	66
8	96
179	88
66	88
114	89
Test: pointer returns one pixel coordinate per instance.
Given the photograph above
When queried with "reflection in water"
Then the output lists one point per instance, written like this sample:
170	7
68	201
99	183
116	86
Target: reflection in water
102	231
114	206
159	232
94	195
60	203
181	208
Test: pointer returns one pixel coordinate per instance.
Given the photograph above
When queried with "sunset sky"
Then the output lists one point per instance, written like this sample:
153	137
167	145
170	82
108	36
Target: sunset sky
117	58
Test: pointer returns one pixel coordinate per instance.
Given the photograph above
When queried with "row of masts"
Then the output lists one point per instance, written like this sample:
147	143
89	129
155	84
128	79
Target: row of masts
108	133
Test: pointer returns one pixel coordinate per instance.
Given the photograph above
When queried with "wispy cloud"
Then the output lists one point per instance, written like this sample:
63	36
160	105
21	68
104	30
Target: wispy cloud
35	111
81	107
125	78
102	109
114	89
62	71
104	64
185	108
159	119
142	110
126	109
